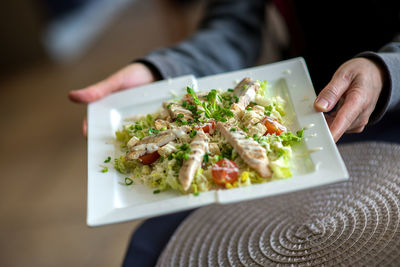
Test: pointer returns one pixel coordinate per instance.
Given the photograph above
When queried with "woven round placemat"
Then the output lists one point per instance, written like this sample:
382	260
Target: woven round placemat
353	223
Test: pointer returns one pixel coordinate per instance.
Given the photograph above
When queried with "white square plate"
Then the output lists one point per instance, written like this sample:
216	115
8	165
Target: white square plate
317	161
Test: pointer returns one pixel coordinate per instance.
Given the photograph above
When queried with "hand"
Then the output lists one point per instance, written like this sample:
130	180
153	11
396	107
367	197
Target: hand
130	76
355	88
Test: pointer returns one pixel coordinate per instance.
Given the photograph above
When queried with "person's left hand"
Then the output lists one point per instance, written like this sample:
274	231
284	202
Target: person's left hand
355	88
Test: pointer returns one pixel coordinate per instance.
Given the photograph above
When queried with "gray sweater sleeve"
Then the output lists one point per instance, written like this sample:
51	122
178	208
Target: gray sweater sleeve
229	38
389	58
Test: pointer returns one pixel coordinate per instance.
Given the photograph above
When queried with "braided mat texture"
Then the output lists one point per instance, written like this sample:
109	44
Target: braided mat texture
353	223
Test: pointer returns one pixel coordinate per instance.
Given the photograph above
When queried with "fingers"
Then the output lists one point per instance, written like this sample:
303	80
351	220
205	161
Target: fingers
130	76
347	115
96	91
84	127
331	94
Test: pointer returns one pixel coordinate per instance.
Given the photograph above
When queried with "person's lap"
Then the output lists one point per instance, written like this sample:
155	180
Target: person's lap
150	238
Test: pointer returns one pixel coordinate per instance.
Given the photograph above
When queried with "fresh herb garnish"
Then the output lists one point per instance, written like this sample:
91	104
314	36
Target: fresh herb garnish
107	160
212	109
193	94
156	191
105	169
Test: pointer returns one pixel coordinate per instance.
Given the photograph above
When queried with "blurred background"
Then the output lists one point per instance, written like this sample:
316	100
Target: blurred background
49	47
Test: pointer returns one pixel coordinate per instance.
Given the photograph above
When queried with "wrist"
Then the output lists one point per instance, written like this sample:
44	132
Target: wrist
385	92
149	70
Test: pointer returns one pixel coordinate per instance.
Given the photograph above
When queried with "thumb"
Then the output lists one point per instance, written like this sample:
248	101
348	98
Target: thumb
333	91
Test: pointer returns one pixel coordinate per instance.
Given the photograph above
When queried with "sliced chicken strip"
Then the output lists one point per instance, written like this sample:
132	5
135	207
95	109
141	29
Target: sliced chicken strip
249	150
175	109
167	149
151	143
159	124
246	92
198	148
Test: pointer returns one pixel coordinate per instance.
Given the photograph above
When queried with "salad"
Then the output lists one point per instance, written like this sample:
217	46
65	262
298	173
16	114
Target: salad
219	139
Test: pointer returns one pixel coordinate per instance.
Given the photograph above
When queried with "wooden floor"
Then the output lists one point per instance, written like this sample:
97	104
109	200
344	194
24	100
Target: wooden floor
43	154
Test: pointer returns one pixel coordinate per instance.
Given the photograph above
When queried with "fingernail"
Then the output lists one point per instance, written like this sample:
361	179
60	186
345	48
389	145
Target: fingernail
322	103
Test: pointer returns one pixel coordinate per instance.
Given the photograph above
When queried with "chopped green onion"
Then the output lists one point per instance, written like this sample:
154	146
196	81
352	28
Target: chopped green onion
249	108
185	156
196	194
230	90
193	133
180	115
232	129
153	131
107	160
128	181
156	191
105	169
205	157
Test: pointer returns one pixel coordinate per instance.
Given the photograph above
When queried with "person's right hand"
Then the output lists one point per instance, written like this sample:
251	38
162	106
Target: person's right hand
130	76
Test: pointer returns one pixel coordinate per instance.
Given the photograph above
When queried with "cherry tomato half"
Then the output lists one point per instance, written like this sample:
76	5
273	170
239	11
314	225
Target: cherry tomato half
225	171
207	127
273	126
149	158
